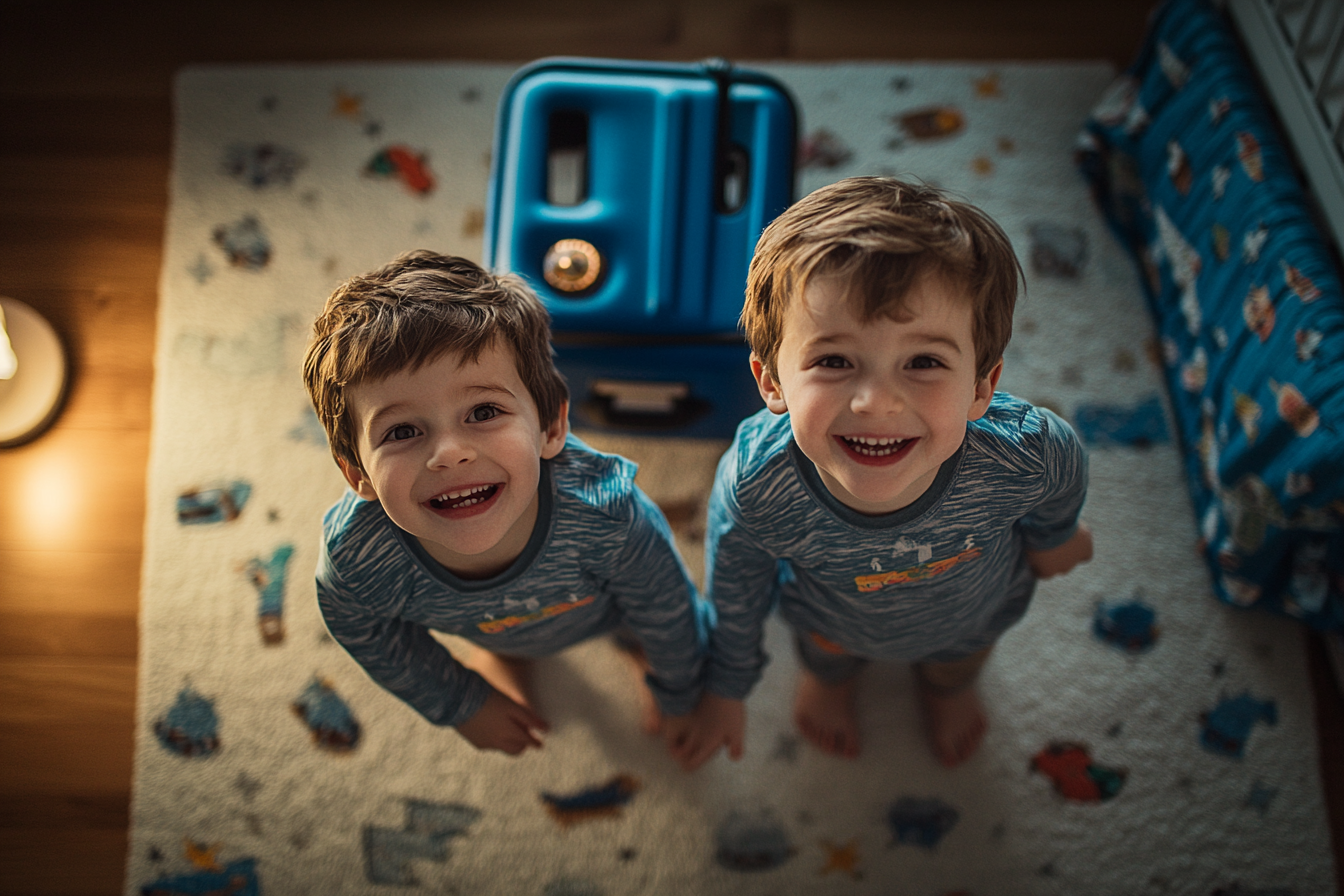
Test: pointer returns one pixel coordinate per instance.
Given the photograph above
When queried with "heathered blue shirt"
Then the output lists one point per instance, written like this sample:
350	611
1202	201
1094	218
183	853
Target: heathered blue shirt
935	581
600	556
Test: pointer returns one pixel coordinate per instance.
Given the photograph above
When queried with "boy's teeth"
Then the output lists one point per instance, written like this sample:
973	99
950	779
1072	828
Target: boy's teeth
875	447
465	497
453	496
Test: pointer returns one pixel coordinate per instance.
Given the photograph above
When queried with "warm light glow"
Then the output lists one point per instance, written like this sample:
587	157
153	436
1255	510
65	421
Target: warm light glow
9	364
50	500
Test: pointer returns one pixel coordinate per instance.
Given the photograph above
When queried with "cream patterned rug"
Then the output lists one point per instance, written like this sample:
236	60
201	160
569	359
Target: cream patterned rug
1144	738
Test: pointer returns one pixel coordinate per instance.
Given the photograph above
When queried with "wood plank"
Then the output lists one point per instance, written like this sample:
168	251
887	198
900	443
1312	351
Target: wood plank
970	29
69	583
72	757
103	636
63	811
60	126
64	692
73	861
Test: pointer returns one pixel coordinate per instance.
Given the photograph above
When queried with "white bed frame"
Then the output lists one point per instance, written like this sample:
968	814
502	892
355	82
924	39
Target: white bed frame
1297	47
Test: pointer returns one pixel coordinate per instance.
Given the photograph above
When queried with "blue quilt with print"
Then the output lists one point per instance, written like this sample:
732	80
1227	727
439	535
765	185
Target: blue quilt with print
1187	164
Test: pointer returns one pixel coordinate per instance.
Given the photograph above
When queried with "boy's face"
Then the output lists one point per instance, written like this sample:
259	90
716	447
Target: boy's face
453	453
878	406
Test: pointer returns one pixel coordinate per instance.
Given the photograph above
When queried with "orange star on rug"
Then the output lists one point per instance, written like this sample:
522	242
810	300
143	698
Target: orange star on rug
989	86
348	105
842	858
202	855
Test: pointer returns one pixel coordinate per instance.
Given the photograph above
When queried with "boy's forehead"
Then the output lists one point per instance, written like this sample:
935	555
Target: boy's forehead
494	361
825	293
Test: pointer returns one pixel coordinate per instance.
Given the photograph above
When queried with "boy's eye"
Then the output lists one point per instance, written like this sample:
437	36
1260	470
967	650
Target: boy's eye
483	413
401	432
924	362
833	361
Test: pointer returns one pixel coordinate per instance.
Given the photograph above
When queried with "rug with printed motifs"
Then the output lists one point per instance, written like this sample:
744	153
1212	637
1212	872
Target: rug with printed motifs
1144	738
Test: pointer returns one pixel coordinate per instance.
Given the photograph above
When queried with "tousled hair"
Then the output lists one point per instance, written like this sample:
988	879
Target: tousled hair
413	311
881	236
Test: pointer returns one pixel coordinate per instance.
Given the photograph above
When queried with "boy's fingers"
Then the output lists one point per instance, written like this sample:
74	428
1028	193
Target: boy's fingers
735	747
528	739
702	755
530	719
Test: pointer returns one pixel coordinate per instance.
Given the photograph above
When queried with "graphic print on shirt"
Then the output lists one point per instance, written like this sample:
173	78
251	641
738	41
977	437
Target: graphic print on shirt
495	626
928	568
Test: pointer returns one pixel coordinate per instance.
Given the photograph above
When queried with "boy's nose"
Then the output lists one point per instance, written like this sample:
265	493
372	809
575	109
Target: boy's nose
876	397
451	449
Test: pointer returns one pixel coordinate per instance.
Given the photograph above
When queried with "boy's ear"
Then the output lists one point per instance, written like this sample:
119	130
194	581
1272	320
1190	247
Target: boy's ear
769	389
984	392
358	481
553	439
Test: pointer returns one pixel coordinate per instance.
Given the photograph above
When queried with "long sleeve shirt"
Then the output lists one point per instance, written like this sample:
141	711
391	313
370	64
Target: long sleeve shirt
934	581
600	557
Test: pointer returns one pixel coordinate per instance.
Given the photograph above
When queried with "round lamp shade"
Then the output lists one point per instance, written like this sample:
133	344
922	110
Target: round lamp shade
31	398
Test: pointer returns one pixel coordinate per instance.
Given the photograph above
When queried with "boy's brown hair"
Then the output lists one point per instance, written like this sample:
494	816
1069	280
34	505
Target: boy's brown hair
413	311
882	235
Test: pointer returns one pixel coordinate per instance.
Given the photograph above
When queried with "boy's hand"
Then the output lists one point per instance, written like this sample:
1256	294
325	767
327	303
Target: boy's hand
1059	560
501	724
715	722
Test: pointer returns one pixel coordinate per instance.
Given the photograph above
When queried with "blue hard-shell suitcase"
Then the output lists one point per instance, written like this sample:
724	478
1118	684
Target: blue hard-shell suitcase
631	195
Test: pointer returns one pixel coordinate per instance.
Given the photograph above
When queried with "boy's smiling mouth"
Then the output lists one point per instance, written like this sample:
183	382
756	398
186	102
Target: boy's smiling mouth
471	499
875	450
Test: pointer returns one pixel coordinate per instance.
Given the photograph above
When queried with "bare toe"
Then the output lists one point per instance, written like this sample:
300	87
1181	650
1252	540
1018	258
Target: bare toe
824	713
956	724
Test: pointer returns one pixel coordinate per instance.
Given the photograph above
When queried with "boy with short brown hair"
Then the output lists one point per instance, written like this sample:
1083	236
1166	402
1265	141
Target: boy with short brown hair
891	503
473	511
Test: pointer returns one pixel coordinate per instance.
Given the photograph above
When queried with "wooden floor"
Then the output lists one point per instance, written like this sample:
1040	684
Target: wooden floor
84	157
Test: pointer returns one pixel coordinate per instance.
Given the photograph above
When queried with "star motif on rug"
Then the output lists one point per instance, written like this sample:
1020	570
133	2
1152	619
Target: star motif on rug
844	859
348	105
989	86
202	855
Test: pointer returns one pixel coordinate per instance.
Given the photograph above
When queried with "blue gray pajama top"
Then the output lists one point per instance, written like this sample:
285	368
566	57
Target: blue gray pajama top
601	556
935	581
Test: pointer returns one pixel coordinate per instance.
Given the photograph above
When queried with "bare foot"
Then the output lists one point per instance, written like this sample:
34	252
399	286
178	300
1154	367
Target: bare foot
955	722
510	676
825	714
650	716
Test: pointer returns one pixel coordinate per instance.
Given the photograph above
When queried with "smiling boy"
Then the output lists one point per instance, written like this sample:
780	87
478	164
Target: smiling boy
888	500
472	511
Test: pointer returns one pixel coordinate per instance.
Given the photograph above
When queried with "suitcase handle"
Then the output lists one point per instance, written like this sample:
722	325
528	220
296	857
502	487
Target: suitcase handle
638	404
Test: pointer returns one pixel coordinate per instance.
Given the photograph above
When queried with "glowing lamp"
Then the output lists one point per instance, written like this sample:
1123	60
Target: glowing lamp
34	373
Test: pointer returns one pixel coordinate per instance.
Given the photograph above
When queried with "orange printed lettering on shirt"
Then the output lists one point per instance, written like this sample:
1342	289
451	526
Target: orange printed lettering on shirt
919	573
495	626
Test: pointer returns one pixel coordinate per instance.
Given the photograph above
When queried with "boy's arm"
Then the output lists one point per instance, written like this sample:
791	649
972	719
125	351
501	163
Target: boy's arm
1059	560
740	579
660	605
399	655
1055	540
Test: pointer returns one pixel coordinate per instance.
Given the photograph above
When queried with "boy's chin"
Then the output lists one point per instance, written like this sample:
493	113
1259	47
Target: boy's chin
854	494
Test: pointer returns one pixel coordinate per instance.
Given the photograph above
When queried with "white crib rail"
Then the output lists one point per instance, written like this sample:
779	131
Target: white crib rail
1297	47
